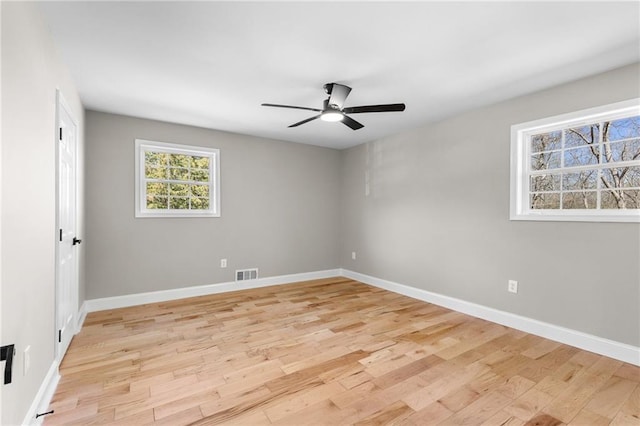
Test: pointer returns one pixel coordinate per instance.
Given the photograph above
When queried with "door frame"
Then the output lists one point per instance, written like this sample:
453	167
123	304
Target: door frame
62	104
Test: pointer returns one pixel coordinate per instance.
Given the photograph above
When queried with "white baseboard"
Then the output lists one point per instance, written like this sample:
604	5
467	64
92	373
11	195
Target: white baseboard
599	345
82	315
102	304
43	397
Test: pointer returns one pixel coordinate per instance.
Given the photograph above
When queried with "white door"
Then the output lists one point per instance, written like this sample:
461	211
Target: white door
67	268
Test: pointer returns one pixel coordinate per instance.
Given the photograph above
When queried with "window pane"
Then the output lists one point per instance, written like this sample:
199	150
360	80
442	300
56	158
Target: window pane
624	128
546	141
581	136
579	200
156	202
629	199
179	160
617	199
631	177
179	203
179	189
587	179
200	175
200	203
200	190
545	201
625	177
156	188
178	174
545	183
632	199
200	162
545	161
622	151
152	172
156	158
580	156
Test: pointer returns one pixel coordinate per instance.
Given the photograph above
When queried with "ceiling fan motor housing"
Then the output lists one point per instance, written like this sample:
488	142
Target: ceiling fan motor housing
327	106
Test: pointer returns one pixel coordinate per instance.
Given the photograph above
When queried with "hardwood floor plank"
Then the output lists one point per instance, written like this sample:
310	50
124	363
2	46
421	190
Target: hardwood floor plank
182	407
243	399
544	420
502	418
434	413
78	415
443	386
185	417
576	396
329	352
392	414
301	400
480	410
529	404
400	374
631	406
586	417
458	399
608	400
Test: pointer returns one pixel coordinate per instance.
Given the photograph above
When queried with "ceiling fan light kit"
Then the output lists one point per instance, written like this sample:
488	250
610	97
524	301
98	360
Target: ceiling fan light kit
331	116
333	109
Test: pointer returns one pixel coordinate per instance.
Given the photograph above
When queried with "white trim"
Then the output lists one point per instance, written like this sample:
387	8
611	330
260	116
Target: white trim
43	397
50	382
101	304
520	157
82	315
617	350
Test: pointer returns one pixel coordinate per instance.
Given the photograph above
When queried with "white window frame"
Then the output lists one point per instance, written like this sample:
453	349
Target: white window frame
141	146
520	164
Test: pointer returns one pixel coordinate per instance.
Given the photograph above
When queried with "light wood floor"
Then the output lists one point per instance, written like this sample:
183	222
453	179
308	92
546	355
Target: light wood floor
332	352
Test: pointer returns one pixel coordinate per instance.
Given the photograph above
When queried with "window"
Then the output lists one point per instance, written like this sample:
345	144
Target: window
583	166
176	180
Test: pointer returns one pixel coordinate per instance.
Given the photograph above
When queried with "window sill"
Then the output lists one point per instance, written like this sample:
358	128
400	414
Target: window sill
145	215
550	217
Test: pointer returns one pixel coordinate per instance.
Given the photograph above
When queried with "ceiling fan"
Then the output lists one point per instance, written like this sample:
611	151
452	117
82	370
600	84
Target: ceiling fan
333	107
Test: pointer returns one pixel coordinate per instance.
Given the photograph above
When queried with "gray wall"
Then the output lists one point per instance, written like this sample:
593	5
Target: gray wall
437	218
278	203
31	72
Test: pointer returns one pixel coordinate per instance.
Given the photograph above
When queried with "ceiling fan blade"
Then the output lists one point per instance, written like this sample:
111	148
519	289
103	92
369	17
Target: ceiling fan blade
350	122
304	121
292	107
339	93
374	108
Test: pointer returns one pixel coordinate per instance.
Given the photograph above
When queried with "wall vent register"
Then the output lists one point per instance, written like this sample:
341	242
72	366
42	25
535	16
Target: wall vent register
246	274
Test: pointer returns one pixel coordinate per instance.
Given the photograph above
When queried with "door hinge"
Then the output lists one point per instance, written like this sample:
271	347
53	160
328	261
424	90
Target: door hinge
60	234
59	336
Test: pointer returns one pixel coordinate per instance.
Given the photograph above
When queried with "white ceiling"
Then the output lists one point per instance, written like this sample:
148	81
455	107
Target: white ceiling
212	64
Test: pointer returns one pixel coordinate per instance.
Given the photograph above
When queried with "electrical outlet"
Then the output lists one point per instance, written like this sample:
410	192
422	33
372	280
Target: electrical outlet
513	286
353	255
223	263
26	360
